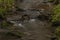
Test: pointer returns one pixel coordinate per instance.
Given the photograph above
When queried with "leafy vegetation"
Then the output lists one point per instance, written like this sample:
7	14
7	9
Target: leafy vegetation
56	13
6	5
56	19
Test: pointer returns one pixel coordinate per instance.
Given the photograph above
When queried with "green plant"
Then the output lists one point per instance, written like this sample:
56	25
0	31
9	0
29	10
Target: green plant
56	19
6	5
56	13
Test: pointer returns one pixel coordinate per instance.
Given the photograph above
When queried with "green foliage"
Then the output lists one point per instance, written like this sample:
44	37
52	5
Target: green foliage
56	18
8	4
5	5
56	13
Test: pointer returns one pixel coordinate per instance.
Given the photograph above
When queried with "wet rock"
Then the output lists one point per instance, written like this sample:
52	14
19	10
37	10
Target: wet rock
55	2
55	24
2	17
13	34
43	17
53	38
25	17
19	9
21	0
28	3
33	9
32	20
32	14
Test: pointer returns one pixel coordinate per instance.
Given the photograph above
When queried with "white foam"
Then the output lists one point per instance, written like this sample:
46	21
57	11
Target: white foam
20	25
